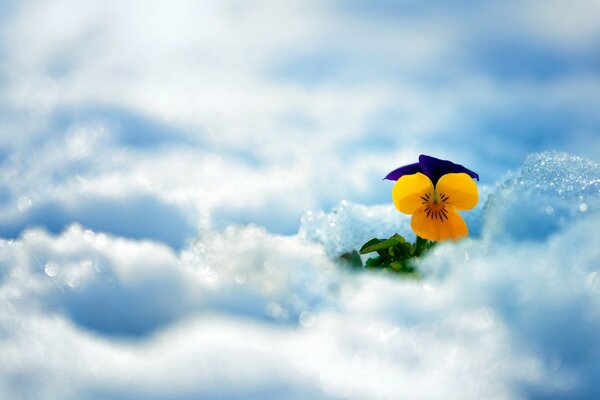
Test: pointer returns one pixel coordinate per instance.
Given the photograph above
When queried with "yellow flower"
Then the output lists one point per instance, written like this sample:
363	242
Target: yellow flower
433	208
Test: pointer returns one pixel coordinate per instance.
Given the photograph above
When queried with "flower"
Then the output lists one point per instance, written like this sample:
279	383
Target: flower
433	167
432	190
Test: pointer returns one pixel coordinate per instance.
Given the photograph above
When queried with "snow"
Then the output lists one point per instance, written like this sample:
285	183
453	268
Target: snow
178	179
244	312
550	191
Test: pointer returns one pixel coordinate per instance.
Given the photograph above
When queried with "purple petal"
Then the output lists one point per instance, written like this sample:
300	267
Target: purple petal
405	170
435	168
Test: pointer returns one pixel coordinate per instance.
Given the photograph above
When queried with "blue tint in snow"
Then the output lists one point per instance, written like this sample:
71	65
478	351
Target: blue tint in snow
144	217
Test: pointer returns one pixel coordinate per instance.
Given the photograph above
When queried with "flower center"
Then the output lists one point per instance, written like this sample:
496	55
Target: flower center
436	206
436	211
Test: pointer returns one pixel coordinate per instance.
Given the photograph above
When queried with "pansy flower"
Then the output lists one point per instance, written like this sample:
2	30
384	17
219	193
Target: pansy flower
432	190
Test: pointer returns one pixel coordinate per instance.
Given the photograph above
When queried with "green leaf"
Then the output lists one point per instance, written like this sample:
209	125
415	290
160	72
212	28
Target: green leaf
384	266
394	255
397	266
403	250
372	246
373	262
370	243
422	245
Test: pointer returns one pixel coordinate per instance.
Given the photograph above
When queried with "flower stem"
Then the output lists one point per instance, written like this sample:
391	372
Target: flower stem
420	246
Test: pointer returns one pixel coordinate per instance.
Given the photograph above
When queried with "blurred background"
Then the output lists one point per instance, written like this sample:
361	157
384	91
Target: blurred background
153	119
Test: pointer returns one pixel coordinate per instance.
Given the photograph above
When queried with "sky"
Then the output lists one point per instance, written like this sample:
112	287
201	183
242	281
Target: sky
171	171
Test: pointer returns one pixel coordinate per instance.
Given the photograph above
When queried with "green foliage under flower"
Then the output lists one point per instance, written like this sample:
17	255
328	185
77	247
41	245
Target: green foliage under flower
393	255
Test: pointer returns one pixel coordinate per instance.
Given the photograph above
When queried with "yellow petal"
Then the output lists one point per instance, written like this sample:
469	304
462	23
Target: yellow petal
458	190
412	191
438	222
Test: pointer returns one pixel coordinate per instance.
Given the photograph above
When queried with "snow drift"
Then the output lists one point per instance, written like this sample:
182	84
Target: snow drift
511	312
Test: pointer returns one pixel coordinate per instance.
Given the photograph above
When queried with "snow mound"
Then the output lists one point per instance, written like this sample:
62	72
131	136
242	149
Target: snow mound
350	225
245	313
550	191
270	277
119	287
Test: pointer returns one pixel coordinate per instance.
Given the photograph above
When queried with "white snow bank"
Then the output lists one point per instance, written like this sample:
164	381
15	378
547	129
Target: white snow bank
116	286
245	313
549	192
350	225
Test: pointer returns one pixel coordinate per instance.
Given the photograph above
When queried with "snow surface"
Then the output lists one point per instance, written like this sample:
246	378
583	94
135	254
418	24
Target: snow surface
513	313
177	179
